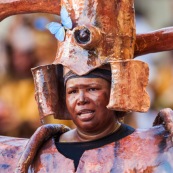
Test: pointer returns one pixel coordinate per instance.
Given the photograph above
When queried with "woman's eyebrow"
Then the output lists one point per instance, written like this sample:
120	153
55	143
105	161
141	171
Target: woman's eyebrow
71	87
83	85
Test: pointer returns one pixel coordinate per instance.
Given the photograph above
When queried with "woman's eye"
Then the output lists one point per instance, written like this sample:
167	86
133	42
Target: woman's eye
72	92
93	89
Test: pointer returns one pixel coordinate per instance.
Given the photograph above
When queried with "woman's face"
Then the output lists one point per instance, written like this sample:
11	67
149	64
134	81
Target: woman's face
86	100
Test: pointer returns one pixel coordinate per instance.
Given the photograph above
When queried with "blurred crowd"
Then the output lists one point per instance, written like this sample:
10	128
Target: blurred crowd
25	43
153	15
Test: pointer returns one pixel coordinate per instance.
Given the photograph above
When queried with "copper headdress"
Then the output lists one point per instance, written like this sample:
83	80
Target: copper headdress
103	32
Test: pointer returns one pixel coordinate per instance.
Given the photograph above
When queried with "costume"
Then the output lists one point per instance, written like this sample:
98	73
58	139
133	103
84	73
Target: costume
75	150
139	152
93	33
147	150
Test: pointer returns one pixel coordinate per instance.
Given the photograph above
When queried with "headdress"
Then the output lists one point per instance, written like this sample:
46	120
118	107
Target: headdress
102	32
93	33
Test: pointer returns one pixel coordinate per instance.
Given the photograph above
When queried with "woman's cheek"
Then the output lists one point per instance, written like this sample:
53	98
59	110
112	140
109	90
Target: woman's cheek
101	97
70	101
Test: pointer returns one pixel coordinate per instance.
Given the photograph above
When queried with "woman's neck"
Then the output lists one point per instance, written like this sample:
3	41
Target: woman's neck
84	137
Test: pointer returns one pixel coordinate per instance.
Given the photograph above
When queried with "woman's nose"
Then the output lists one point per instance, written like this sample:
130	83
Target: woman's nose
82	98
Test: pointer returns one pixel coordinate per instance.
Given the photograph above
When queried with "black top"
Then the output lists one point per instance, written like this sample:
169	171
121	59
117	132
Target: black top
74	150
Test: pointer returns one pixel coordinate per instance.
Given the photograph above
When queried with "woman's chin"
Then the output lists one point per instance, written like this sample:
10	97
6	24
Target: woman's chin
88	127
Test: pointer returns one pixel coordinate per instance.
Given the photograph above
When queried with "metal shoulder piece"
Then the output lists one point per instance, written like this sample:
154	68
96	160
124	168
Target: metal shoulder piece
17	154
96	33
148	150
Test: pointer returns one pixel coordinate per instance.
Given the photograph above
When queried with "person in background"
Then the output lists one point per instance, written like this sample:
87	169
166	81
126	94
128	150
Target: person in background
18	108
17	91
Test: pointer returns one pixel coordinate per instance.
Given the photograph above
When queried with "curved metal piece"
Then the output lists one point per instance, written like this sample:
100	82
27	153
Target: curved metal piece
147	150
12	7
41	135
46	89
49	91
128	90
165	116
156	41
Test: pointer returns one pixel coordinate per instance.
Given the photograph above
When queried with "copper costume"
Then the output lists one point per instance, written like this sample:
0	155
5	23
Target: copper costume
103	32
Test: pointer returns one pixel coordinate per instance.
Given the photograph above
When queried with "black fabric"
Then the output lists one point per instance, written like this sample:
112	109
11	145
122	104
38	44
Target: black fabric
74	150
97	73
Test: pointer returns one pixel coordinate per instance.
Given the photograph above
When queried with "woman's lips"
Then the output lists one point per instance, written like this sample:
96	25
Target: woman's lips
86	114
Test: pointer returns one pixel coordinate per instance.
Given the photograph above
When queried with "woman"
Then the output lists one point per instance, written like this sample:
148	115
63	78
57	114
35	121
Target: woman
100	32
86	99
100	143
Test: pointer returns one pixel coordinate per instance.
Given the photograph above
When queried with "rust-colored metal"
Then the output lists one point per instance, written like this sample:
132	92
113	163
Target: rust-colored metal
45	89
156	41
114	26
143	151
128	93
103	32
151	42
12	7
156	141
49	89
87	37
42	134
165	117
148	150
10	152
17	154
